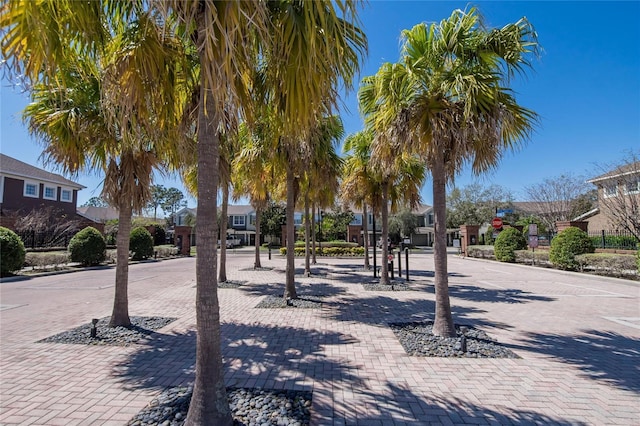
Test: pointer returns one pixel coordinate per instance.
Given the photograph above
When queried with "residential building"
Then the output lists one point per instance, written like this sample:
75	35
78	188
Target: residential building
618	200
24	188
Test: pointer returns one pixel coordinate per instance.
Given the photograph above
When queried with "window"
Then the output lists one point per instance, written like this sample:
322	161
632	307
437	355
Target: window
50	193
238	221
252	219
633	186
66	195
430	218
31	189
297	218
357	219
610	190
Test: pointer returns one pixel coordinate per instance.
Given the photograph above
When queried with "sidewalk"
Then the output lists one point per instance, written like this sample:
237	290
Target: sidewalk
578	338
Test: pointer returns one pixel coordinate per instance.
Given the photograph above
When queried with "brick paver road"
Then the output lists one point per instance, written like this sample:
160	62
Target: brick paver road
578	338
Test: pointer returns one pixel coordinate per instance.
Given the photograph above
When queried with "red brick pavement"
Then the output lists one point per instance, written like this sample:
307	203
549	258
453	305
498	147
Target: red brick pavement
577	336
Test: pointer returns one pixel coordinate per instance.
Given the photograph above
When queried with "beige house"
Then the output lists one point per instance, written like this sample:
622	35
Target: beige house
618	200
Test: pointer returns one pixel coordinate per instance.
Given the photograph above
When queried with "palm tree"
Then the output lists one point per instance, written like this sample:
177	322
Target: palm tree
358	184
398	173
314	49
456	108
320	180
70	113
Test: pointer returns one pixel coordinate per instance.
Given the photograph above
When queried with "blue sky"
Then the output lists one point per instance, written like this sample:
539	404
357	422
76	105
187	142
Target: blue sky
585	87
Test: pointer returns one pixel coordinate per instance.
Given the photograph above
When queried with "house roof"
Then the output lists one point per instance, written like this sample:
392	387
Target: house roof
624	170
239	210
9	166
98	214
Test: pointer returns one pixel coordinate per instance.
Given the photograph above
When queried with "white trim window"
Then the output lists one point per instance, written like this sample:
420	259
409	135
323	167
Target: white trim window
238	221
66	195
31	189
610	190
633	186
50	193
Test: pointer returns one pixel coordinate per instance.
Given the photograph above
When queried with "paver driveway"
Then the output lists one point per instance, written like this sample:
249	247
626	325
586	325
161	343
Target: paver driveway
578	338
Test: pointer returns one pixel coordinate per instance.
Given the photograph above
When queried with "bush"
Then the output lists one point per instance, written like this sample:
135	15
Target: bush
488	237
614	242
12	252
46	260
567	245
481	252
141	243
508	241
87	247
159	236
617	265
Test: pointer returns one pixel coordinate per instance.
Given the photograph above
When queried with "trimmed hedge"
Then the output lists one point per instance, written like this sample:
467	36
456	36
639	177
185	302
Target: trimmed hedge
328	251
506	244
567	245
88	247
617	265
12	252
141	243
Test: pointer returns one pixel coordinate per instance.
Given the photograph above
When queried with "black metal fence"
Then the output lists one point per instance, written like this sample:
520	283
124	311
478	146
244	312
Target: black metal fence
621	240
46	239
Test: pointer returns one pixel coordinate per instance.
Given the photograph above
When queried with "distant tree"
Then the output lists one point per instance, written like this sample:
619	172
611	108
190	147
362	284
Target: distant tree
334	225
558	198
475	205
622	202
95	202
403	223
173	201
158	198
46	227
273	218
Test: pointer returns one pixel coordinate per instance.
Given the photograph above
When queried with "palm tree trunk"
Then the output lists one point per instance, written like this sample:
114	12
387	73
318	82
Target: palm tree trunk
307	237
222	273
313	233
290	285
120	313
365	230
443	324
209	404
256	263
384	209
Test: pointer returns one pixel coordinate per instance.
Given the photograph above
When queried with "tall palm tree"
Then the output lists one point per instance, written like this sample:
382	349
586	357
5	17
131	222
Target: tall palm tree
316	46
320	179
71	112
358	185
457	109
398	172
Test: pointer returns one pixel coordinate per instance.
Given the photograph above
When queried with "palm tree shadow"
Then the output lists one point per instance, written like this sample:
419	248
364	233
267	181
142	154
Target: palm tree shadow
259	355
303	289
602	356
480	294
383	310
397	403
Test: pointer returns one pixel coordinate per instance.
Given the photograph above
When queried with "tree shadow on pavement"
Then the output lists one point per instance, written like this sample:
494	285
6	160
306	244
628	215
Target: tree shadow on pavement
397	403
382	310
481	294
319	289
258	355
603	356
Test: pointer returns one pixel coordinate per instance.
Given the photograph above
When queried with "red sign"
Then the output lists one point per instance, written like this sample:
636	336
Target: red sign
496	223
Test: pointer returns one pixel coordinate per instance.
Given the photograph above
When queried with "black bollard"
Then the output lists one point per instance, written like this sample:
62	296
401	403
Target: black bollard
94	329
399	264
406	263
269	252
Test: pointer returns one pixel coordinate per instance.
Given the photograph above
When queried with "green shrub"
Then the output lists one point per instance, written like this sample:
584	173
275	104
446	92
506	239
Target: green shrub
87	247
140	243
508	241
350	250
566	245
12	252
160	236
46	260
488	237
